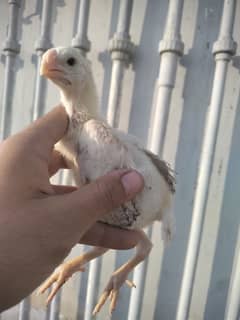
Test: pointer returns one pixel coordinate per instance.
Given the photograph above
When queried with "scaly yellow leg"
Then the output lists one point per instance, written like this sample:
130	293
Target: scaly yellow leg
66	270
143	249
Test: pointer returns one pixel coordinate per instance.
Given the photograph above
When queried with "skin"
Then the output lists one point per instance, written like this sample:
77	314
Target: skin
41	222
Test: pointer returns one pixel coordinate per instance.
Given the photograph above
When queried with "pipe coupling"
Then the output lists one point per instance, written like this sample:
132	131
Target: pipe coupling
43	44
82	43
171	45
15	2
225	45
11	45
121	48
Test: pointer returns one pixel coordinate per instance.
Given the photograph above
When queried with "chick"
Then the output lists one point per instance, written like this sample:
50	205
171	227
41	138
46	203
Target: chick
92	148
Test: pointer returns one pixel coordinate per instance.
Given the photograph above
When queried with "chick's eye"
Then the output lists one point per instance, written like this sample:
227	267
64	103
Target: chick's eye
71	61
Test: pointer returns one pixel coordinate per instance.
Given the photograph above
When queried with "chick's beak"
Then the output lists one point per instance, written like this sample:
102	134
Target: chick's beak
49	62
52	69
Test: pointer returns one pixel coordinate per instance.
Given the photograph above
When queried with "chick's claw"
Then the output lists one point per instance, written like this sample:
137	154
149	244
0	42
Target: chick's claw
130	284
59	277
112	292
112	295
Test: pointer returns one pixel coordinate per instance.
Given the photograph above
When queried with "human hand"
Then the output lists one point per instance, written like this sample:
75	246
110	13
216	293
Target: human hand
41	222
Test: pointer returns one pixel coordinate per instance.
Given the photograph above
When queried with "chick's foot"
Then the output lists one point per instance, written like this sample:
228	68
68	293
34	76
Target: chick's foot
59	277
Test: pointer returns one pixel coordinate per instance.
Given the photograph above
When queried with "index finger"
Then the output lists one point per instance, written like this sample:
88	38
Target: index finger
47	130
106	236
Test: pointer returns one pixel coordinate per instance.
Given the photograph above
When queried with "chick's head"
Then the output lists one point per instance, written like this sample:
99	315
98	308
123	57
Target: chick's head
67	68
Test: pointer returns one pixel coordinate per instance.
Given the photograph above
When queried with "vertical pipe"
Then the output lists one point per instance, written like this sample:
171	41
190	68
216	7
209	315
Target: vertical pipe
136	298
42	44
93	280
233	302
121	49
55	307
52	312
170	49
24	310
11	49
166	81
115	93
223	49
80	40
83	284
125	18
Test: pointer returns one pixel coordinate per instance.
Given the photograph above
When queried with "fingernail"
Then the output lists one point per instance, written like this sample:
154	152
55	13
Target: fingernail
132	183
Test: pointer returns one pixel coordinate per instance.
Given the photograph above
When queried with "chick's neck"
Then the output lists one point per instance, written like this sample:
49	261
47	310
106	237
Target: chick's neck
85	101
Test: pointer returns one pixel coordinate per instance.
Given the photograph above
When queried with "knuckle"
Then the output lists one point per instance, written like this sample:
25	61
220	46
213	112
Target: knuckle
107	194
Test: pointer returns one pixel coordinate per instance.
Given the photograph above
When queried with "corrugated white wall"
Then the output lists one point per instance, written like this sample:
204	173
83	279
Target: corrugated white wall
184	136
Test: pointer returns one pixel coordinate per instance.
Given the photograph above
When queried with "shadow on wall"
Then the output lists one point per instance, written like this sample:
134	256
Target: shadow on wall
146	66
105	59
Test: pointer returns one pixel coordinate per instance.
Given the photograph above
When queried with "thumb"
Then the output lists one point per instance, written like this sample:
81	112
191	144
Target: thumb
84	207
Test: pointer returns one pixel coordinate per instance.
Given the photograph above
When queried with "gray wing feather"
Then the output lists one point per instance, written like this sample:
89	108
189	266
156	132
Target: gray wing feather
164	169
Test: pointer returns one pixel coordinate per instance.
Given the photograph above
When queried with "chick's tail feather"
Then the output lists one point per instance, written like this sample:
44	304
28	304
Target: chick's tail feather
168	226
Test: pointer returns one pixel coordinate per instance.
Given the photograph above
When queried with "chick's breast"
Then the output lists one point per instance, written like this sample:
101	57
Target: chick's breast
103	149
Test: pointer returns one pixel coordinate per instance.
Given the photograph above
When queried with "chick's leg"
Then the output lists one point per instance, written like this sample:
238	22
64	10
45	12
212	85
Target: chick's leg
143	249
67	269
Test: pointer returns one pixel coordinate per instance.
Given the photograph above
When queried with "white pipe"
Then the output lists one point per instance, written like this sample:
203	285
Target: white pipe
121	49
80	40
223	49
6	113
91	295
125	17
139	277
173	24
117	75
170	48
11	50
42	44
55	307
24	310
233	301
166	81
115	92
202	190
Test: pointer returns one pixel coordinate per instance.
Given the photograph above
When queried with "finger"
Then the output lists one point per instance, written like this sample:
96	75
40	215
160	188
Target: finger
89	203
58	189
47	130
103	235
57	161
